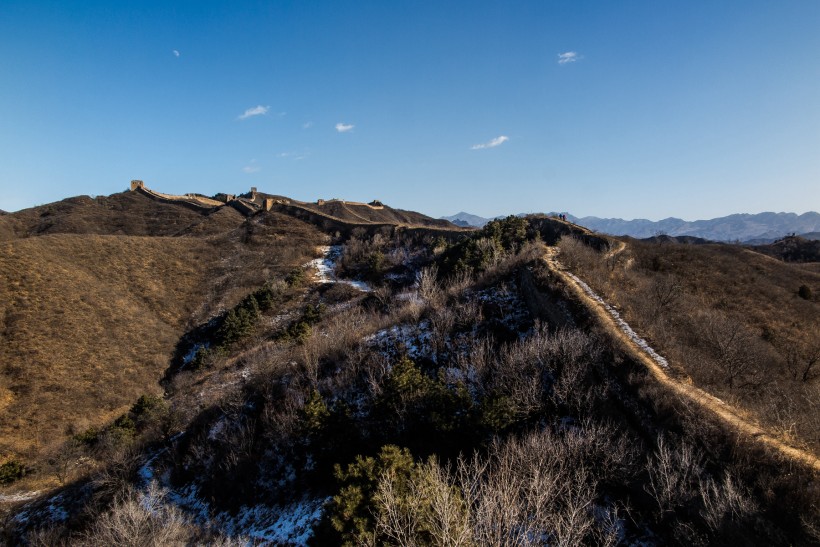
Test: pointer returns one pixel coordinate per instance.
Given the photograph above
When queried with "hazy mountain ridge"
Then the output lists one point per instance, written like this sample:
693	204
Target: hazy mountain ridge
763	227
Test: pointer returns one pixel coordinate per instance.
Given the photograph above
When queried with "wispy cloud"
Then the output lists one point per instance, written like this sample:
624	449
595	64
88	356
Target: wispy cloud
344	127
255	111
498	141
251	168
568	57
293	155
176	53
307	125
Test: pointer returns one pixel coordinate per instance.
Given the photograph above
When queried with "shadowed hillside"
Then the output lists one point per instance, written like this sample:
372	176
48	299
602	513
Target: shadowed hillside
126	213
792	249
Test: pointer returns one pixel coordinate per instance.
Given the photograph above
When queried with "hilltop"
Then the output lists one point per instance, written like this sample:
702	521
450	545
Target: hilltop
253	368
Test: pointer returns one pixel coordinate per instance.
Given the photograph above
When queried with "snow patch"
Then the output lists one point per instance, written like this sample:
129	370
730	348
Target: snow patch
188	357
325	267
18	496
414	338
622	325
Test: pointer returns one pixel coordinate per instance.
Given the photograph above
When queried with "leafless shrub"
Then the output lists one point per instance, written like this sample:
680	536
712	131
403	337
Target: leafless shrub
139	519
458	283
399	512
664	292
281	415
735	349
116	476
448	519
442	319
724	500
48	536
429	290
64	460
802	361
576	255
536	490
672	474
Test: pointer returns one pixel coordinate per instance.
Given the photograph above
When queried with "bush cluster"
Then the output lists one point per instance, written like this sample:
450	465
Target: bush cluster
486	247
11	471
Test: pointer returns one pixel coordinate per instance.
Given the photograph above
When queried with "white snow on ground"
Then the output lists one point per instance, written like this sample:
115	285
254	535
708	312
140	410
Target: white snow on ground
54	512
289	525
325	267
623	325
188	357
513	309
414	338
18	496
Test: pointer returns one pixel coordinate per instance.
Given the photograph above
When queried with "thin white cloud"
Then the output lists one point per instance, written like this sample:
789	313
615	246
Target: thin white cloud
568	57
293	155
255	111
307	125
498	141
251	167
344	127
176	53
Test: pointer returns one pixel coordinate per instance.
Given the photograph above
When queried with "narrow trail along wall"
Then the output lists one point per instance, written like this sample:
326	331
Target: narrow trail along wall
724	412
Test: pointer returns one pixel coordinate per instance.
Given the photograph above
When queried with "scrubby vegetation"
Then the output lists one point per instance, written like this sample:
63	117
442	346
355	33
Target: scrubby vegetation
462	400
737	323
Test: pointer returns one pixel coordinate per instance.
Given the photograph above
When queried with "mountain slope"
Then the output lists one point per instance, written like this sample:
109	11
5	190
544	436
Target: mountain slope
740	227
468	219
762	227
95	295
89	323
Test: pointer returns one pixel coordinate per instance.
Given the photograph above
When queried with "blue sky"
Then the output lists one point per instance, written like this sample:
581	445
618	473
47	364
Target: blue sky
632	109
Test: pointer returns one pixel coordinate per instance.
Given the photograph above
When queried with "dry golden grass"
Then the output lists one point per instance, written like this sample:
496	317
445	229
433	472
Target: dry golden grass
728	318
89	323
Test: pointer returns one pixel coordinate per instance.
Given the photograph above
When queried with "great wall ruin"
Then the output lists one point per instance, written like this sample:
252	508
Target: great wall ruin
326	214
253	202
246	206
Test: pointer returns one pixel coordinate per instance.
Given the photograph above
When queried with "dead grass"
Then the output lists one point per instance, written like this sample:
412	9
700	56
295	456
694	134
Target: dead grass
728	318
89	323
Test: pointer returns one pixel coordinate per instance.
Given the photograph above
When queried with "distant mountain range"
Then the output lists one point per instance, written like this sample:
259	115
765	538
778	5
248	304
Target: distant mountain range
748	228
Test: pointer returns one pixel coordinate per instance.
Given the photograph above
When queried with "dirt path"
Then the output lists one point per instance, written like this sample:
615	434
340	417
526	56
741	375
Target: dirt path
726	413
